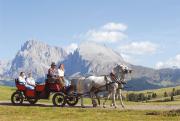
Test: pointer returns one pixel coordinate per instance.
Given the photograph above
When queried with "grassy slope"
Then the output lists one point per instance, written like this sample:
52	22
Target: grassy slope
159	92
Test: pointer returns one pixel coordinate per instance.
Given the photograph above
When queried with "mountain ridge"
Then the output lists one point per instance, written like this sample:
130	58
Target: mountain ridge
89	58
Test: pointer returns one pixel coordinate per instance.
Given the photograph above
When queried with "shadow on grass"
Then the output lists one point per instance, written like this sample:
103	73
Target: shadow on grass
40	105
25	104
171	113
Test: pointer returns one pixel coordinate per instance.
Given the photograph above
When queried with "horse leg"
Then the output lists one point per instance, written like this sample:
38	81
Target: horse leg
99	102
82	102
98	98
111	95
104	103
94	103
120	96
117	94
113	98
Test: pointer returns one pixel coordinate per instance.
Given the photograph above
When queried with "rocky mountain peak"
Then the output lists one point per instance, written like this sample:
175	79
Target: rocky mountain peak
35	57
99	53
92	58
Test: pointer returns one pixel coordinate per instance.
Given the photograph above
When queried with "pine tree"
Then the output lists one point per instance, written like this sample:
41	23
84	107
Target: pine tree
165	94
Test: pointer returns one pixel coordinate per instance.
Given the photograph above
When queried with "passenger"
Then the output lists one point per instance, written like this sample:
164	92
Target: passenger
22	78
61	74
30	82
63	82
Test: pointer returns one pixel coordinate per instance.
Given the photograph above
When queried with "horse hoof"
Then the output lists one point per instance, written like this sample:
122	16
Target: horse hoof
94	106
83	106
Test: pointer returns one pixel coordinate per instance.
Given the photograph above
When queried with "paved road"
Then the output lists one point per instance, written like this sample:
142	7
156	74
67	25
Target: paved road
127	107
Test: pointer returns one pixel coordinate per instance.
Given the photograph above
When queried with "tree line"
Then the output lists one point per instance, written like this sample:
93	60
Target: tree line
138	97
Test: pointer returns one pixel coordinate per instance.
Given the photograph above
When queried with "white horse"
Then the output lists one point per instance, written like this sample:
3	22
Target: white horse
94	84
118	92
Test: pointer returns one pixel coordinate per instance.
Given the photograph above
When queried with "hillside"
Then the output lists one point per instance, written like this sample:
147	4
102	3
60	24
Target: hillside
147	78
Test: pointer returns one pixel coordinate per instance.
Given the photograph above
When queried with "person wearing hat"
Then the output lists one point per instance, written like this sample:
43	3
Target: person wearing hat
52	70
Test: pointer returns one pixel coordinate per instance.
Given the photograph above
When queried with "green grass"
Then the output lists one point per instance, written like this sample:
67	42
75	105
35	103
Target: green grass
40	113
34	113
5	92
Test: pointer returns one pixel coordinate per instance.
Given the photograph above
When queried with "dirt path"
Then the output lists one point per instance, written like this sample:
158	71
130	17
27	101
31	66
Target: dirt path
127	107
153	107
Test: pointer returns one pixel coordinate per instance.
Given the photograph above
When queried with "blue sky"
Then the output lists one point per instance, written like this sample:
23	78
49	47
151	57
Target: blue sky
150	38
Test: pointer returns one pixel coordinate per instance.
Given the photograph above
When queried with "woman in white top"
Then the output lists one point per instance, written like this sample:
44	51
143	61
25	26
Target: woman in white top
30	81
61	70
61	74
22	78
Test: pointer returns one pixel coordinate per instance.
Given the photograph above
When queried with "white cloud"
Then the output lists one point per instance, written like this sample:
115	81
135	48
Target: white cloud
139	48
105	36
71	48
110	32
114	27
170	63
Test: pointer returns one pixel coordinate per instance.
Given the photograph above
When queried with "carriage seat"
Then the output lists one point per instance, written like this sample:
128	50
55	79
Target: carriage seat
40	87
51	79
20	86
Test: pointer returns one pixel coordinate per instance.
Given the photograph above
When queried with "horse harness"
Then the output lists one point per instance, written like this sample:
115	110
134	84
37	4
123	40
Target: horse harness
112	76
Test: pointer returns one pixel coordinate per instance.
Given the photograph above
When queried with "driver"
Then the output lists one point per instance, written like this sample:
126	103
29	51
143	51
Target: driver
52	70
52	73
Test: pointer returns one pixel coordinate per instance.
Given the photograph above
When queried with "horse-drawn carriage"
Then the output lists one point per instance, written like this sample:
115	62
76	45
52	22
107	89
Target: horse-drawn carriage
90	85
61	95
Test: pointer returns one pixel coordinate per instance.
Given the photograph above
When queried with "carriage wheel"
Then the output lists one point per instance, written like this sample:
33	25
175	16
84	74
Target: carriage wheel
58	99
72	100
17	98
32	100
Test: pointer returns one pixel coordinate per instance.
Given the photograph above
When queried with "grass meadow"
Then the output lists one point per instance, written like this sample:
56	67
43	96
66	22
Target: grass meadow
50	113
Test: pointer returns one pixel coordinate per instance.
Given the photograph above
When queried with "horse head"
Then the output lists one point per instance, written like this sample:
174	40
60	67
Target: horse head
121	71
